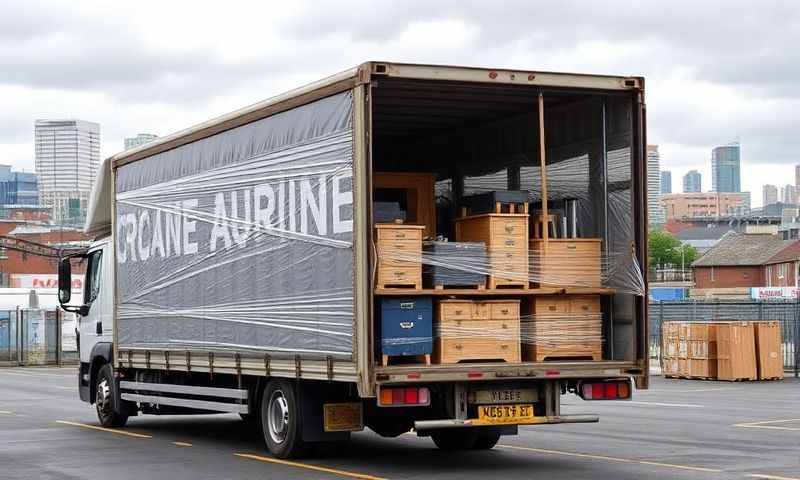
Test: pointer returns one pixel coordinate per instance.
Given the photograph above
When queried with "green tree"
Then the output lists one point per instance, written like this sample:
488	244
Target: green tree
664	249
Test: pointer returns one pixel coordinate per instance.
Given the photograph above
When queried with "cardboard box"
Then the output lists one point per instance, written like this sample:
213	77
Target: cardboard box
768	350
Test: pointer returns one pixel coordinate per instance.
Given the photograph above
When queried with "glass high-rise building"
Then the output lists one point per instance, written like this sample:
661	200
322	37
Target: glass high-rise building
726	168
67	160
655	212
692	182
666	181
140	139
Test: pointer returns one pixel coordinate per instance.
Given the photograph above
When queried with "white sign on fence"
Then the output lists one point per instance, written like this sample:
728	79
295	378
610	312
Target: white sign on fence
767	293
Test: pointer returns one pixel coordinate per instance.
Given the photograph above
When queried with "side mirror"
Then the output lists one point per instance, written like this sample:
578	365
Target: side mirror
64	281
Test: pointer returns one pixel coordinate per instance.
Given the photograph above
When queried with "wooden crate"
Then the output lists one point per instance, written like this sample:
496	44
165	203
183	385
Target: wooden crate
419	195
701	352
567	262
736	351
506	239
399	251
469	330
768	350
562	327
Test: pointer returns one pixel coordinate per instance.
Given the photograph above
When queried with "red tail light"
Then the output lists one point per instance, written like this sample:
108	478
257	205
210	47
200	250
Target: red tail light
605	390
404	397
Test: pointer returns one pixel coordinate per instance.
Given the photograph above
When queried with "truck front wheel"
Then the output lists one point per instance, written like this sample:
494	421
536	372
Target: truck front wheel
104	399
280	420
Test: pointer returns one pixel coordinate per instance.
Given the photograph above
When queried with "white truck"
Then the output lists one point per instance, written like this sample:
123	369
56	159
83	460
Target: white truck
233	267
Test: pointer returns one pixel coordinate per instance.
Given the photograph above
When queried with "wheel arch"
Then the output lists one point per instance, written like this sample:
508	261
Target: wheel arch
102	354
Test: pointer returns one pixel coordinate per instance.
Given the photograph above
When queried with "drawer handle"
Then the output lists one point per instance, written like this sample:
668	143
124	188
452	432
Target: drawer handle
509	255
407	305
399	274
509	228
400	235
398	246
458	346
505	326
458	312
504	311
406	325
510	243
552	308
572	247
504	346
585	307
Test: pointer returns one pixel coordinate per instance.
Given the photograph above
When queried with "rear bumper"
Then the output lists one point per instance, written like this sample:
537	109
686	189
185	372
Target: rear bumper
422	425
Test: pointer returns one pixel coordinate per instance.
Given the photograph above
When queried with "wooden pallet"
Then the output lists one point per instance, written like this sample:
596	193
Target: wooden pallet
400	286
480	286
421	359
540	353
497	283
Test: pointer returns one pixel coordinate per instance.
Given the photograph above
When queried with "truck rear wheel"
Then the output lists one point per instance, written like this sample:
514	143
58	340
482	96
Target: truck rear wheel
280	420
486	441
104	399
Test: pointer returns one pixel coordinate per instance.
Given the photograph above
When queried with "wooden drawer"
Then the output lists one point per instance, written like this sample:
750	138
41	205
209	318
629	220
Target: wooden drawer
584	304
456	310
399	232
395	261
392	275
388	245
550	305
567	262
503	310
456	350
510	227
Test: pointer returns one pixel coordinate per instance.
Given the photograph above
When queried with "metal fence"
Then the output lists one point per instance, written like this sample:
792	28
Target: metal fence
37	337
786	312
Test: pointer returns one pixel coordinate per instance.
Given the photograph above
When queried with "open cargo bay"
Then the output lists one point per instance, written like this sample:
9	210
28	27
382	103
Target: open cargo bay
248	245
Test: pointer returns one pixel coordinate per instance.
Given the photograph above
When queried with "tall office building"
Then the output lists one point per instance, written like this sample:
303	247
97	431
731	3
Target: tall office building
789	194
666	181
655	210
770	195
726	168
140	139
797	176
692	182
67	160
18	188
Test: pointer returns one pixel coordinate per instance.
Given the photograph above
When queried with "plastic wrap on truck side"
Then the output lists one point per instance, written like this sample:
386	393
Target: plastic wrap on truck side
242	241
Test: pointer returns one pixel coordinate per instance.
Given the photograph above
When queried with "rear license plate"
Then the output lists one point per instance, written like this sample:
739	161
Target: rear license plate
504	395
520	413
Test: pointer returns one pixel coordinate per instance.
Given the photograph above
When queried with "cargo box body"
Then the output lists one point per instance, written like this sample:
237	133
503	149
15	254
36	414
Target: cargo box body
244	245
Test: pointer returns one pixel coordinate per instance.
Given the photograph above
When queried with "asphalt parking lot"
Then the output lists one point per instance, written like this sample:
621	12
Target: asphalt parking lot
678	429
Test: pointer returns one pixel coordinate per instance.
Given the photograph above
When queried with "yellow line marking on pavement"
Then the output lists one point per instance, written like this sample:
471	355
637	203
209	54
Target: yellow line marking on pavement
769	424
771	477
182	444
317	468
103	429
612	459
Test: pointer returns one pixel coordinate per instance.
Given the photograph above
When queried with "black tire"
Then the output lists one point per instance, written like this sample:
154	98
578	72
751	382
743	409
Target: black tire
104	403
486	441
390	429
247	417
455	439
280	420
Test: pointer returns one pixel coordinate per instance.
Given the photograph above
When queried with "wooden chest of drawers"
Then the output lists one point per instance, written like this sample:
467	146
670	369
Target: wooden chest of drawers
468	330
506	239
568	262
399	253
563	327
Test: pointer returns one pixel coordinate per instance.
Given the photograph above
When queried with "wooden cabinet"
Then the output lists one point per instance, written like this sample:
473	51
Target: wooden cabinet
418	192
506	239
563	327
567	262
469	330
399	251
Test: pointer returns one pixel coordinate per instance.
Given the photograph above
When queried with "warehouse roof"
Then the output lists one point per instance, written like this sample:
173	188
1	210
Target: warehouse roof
743	249
704	233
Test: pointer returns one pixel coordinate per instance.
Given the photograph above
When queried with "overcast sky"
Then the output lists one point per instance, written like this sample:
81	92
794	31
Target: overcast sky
715	72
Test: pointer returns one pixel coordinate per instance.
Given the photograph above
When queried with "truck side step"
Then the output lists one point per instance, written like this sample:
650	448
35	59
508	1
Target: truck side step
127	388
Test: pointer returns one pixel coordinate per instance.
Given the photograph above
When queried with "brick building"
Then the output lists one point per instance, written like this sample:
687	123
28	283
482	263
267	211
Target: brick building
705	205
745	260
21	269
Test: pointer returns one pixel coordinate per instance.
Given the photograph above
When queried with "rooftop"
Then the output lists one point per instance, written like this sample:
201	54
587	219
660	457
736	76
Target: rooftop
740	249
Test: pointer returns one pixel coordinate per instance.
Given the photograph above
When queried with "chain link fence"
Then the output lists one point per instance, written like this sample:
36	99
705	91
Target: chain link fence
37	337
786	312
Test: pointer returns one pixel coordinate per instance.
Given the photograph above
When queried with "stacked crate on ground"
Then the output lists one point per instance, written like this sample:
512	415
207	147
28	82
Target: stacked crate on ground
562	327
399	250
454	264
506	239
469	330
768	350
406	328
574	262
736	351
701	345
669	348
